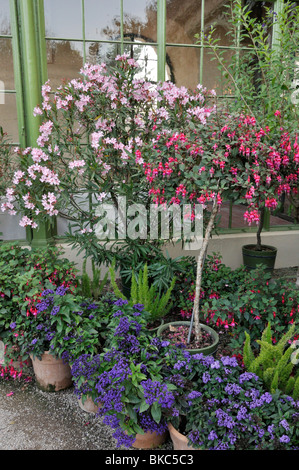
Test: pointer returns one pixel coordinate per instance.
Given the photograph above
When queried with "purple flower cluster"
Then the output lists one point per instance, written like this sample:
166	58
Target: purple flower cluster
155	391
149	425
230	409
44	304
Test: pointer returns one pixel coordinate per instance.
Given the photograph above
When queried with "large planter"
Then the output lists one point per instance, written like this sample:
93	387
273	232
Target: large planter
51	373
253	257
206	351
149	440
179	441
154	330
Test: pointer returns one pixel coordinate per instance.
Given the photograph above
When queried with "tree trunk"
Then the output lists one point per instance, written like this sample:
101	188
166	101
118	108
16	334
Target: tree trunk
259	230
200	268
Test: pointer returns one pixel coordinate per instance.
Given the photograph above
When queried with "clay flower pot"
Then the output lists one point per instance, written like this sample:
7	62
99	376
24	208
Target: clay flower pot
149	440
179	441
51	373
89	405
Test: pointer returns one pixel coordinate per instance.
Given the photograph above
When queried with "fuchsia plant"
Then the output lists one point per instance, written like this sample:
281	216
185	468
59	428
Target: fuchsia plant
108	134
227	156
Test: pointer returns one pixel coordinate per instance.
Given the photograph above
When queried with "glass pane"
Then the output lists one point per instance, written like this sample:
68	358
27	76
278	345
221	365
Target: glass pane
211	76
6	61
97	53
185	64
102	19
183	20
237	217
8	116
4	17
146	56
63	19
140	19
65	59
10	228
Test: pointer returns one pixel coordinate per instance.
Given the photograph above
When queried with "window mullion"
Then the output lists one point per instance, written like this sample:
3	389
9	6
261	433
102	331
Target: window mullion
161	39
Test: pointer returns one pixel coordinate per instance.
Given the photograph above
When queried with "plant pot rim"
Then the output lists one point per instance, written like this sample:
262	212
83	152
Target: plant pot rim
174	431
206	350
178	436
157	327
251	247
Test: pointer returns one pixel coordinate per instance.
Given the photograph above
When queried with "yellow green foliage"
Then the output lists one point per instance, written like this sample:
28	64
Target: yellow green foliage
273	364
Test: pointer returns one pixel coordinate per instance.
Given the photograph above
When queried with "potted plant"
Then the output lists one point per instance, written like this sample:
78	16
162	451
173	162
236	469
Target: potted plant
228	156
263	83
23	274
53	331
85	375
131	386
156	305
223	407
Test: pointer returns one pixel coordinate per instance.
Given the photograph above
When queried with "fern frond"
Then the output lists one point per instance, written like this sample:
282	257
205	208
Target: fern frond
116	289
248	356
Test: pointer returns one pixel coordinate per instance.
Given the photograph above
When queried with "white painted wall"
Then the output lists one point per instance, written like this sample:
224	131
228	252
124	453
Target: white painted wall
230	247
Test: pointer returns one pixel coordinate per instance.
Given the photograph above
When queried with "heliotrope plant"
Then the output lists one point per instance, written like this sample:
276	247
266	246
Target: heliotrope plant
59	322
132	391
227	408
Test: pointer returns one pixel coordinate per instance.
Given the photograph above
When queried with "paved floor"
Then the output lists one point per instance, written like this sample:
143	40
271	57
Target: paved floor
31	419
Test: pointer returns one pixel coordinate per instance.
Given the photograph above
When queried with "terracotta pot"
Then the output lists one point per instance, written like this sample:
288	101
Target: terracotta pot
149	440
179	441
88	405
51	373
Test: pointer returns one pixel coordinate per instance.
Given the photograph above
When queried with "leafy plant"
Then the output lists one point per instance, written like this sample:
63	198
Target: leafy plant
157	305
92	287
223	407
85	375
131	387
59	322
24	273
261	79
273	362
255	301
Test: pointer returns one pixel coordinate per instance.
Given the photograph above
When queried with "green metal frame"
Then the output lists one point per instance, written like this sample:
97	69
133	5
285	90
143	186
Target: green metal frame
30	68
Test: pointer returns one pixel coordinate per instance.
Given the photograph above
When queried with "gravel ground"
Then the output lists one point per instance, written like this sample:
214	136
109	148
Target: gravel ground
31	419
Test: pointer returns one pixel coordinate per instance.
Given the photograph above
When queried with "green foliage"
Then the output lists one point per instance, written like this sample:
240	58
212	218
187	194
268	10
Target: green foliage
273	362
61	322
92	287
261	78
157	305
24	273
253	302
